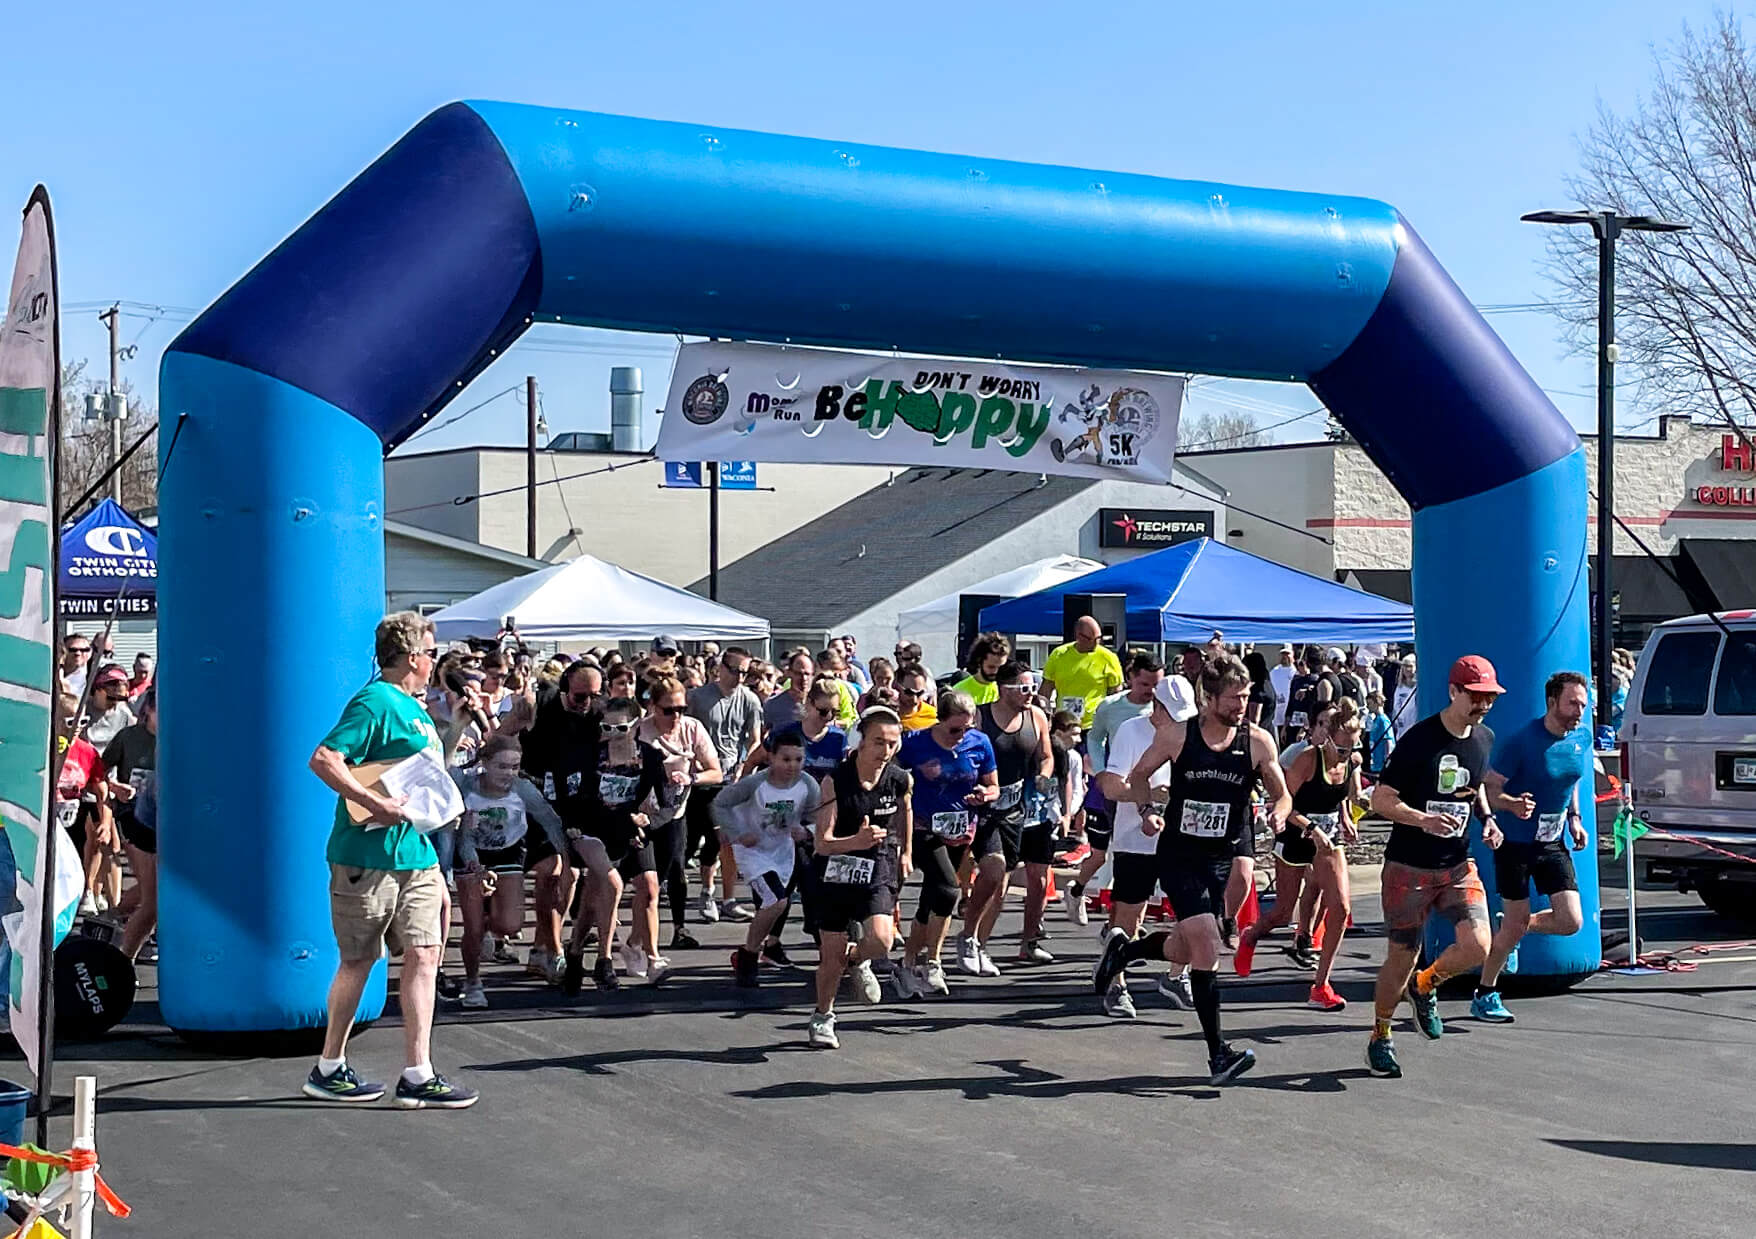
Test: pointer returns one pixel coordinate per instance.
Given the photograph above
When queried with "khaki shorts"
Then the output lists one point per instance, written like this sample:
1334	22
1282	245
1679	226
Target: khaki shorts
372	907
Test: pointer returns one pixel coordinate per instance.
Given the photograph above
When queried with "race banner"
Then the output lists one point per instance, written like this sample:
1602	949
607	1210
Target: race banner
29	384
765	402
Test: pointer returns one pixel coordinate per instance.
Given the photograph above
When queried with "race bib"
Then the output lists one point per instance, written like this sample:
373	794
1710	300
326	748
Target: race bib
849	870
1549	826
617	789
1324	823
953	825
1074	706
1205	820
67	813
1456	810
1296	718
1010	795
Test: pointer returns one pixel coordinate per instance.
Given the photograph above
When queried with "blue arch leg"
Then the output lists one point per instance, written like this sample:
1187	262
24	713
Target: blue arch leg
272	528
1503	574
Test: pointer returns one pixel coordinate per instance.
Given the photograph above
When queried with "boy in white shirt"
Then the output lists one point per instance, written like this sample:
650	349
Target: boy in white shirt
765	817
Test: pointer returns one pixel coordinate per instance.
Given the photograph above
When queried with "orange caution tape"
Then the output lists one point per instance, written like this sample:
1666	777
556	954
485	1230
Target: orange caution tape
73	1160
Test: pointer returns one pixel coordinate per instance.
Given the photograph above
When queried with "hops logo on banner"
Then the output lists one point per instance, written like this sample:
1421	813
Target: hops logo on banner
811	405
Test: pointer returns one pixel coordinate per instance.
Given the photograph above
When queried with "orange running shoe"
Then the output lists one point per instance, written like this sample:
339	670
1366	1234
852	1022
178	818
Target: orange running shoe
1324	998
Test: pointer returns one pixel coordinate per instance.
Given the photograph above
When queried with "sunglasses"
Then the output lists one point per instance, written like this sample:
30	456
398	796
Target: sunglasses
908	692
957	731
432	651
825	711
1024	687
618	729
673	711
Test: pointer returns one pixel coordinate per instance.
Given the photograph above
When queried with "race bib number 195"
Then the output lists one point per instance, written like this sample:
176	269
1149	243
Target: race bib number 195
849	870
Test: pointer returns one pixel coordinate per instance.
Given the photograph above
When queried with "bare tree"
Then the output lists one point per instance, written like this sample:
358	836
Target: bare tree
1685	302
85	446
1233	428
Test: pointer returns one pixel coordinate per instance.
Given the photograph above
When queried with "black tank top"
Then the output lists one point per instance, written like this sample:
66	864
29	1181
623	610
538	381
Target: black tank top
1015	757
882	802
1317	794
1209	809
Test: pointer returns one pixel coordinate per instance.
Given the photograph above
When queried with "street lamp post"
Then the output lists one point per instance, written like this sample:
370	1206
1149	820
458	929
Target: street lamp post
1606	226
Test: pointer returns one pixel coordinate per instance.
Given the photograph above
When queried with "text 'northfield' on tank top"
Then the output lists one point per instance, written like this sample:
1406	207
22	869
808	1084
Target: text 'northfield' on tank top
1210	792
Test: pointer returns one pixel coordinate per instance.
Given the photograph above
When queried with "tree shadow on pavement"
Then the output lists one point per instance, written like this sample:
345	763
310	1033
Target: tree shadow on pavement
1702	1155
604	1064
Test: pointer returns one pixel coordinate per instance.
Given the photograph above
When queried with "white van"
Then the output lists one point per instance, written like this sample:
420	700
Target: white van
1689	752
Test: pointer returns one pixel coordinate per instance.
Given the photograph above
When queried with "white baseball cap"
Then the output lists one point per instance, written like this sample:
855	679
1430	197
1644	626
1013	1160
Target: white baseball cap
1177	696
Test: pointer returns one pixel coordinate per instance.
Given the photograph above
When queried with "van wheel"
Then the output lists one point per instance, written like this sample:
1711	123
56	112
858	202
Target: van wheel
1733	900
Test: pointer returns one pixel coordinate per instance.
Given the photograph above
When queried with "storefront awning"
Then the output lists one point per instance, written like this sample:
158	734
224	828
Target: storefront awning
1725	566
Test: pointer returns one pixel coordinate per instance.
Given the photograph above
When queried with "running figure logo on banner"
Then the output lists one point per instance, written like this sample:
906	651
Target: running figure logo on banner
766	402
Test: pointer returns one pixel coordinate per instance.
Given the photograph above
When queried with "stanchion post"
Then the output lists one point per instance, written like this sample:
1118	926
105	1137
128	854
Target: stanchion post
1633	930
85	1105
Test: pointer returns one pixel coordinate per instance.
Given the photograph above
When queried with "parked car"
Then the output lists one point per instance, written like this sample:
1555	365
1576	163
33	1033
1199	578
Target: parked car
1689	749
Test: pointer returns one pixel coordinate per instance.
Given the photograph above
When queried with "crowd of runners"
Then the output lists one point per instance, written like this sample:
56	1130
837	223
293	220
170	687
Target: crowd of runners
801	799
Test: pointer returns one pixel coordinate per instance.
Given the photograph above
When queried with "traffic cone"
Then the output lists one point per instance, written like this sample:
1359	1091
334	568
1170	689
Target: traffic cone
1248	914
1051	891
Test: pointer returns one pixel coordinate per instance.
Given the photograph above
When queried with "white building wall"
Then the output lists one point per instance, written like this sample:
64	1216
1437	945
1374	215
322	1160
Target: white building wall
418	481
1290	486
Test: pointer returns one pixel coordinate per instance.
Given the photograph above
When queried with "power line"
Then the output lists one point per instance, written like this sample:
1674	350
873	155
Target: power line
460	500
460	416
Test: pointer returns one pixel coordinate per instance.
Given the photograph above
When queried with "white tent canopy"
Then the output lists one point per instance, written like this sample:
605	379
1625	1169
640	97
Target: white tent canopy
933	625
590	600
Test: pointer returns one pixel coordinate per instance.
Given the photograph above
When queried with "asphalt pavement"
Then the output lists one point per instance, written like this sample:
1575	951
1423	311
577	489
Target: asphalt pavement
1013	1108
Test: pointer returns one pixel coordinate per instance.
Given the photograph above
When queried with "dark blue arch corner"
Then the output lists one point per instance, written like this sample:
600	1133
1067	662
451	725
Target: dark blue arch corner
391	297
1427	362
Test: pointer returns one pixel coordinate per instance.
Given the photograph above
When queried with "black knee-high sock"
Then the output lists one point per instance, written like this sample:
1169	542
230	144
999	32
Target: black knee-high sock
677	891
1150	947
1206	987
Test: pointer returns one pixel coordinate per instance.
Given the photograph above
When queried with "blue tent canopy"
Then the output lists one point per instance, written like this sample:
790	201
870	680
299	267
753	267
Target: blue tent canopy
1183	593
109	564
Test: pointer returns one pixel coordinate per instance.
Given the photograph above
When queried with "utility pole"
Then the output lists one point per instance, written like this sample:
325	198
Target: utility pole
530	466
116	407
1606	226
713	531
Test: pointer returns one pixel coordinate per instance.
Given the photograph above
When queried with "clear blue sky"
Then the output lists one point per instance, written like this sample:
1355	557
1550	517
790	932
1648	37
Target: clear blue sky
182	139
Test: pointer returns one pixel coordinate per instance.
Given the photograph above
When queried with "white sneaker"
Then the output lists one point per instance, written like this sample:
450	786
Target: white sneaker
1175	986
933	977
906	981
88	906
1118	1005
657	969
821	1035
1075	905
473	997
1034	952
866	984
709	909
986	963
732	910
634	963
969	961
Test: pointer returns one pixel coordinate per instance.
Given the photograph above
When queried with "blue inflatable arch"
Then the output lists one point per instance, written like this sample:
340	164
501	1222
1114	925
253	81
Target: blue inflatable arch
487	217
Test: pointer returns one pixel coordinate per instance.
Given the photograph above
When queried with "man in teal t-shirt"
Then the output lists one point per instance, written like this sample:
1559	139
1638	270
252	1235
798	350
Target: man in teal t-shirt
384	880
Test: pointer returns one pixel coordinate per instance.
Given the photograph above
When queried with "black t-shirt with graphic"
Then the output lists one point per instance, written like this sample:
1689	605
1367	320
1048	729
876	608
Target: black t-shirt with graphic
1434	771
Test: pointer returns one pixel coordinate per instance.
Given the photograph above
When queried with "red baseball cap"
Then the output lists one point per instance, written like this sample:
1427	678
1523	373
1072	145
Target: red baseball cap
1475	674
